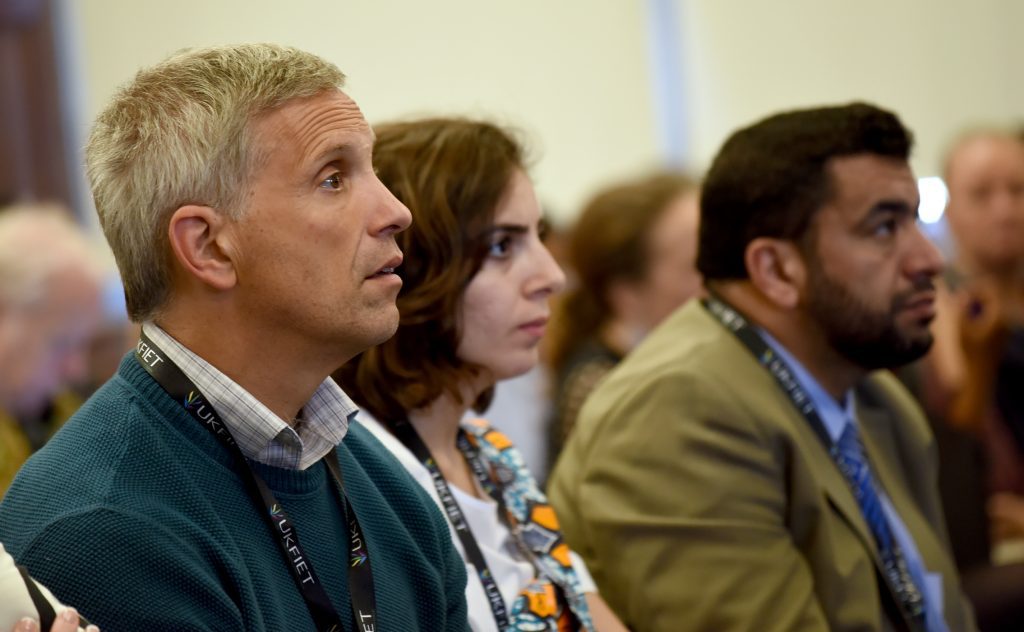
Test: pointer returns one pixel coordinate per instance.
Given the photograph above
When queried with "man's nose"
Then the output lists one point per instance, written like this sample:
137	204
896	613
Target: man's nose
392	215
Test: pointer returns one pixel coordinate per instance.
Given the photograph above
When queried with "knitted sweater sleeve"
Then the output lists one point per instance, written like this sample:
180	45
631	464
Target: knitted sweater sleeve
168	586
455	582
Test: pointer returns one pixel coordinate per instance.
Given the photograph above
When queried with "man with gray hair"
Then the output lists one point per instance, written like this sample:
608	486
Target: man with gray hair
216	483
49	308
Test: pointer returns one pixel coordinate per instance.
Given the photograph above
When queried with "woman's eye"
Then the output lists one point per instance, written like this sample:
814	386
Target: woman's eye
332	182
500	247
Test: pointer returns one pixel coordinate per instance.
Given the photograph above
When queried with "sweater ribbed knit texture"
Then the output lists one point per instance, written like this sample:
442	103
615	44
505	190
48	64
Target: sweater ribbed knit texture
135	514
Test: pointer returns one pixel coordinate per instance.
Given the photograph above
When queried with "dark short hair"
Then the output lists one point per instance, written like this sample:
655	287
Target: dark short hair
769	179
451	173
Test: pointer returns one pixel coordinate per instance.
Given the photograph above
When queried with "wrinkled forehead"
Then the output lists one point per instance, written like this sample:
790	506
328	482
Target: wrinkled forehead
310	127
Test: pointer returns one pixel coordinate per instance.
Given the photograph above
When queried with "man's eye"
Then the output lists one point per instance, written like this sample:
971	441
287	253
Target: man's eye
332	182
886	228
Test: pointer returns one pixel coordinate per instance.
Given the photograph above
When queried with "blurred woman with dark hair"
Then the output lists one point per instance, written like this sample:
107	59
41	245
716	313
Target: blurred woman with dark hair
474	305
633	251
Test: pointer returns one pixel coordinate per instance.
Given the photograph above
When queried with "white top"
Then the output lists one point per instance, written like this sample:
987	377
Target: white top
511	572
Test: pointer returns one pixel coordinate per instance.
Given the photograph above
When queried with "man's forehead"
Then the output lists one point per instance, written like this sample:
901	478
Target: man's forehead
861	181
976	152
862	171
328	118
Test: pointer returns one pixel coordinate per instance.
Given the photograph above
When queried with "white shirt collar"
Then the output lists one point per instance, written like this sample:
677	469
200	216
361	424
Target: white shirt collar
262	435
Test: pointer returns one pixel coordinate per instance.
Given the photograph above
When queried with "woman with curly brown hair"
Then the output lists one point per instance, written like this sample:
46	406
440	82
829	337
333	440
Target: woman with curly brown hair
474	306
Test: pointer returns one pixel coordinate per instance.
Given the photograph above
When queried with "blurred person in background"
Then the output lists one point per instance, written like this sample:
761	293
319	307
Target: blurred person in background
474	304
969	383
633	252
50	307
977	365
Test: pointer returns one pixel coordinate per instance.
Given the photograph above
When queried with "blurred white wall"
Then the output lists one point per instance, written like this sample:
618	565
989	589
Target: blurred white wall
570	73
941	64
578	77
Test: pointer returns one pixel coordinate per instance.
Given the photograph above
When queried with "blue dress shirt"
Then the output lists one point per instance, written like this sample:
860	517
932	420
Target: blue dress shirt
835	417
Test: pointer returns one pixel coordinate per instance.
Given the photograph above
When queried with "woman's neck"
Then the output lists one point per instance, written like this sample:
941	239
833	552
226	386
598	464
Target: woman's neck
620	336
438	424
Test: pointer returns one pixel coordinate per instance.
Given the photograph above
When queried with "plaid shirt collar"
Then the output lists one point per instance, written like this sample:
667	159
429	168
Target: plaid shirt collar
262	435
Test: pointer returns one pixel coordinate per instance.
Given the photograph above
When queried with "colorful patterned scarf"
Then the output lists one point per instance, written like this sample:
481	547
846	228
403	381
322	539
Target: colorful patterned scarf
553	600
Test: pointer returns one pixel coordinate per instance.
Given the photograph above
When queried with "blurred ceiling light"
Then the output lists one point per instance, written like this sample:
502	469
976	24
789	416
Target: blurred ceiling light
934	196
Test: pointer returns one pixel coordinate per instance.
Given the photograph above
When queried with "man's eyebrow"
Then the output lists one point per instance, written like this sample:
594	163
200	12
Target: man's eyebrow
893	206
338	149
887	207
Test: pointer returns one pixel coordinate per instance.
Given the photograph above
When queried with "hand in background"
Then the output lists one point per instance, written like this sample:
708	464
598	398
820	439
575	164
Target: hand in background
67	621
983	321
982	327
1006	515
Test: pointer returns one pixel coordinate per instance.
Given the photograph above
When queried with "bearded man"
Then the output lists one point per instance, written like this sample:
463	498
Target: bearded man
751	466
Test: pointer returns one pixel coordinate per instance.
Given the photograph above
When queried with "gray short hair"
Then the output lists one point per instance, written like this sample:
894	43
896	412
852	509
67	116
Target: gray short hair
178	134
39	243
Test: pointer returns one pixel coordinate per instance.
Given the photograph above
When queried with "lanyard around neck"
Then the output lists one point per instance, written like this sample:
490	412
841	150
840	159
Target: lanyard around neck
360	577
405	433
737	324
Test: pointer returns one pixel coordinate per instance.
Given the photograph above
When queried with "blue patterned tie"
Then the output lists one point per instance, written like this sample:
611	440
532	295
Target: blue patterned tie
849	456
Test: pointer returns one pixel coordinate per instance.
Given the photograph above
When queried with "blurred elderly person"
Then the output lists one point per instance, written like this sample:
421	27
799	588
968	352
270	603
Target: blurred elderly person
633	251
978	359
49	309
968	383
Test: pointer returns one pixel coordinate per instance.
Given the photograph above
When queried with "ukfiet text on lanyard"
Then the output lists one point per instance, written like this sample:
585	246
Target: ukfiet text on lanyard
360	576
907	602
405	433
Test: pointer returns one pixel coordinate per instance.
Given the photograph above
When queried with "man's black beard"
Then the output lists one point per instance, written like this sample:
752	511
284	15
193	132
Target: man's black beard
867	338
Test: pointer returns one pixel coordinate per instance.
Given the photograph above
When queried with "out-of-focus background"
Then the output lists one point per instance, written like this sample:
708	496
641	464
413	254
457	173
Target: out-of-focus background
603	91
601	88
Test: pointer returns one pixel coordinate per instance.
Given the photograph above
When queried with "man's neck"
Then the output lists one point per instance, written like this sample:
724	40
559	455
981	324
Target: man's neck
801	336
1006	280
277	376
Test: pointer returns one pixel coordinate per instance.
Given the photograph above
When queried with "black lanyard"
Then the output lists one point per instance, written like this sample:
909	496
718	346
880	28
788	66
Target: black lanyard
779	369
360	577
411	439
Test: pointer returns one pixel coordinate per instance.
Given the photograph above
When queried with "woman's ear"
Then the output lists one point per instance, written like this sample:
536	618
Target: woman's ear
200	239
777	269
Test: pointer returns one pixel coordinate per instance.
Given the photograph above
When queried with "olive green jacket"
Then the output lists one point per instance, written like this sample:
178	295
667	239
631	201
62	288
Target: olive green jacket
702	500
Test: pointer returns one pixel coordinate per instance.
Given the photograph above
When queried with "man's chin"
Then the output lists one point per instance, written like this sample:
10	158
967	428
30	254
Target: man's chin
913	348
387	325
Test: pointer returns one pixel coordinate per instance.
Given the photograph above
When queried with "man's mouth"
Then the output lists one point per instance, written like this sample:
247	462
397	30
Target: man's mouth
388	268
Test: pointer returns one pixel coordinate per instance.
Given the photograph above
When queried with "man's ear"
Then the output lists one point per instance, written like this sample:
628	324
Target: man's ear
200	241
777	268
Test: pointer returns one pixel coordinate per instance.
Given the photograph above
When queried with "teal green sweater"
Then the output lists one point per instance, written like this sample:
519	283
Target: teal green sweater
135	514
